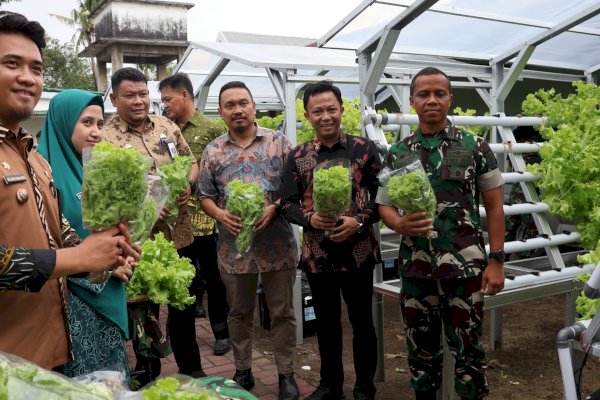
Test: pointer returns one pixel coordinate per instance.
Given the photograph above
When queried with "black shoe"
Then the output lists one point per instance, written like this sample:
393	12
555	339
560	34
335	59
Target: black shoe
288	389
244	378
363	392
200	312
222	346
198	374
325	393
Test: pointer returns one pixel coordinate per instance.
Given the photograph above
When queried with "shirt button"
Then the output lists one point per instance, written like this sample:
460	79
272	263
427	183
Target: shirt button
22	195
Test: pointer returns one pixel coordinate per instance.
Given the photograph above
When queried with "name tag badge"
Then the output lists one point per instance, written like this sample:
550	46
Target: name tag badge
172	149
10	179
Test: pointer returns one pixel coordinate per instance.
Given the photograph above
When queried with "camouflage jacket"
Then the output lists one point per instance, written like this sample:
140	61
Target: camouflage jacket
459	166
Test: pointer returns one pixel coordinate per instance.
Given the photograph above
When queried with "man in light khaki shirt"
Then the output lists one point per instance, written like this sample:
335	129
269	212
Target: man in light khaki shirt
159	139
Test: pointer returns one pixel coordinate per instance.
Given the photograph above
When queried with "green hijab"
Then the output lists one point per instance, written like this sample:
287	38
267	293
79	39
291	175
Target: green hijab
67	168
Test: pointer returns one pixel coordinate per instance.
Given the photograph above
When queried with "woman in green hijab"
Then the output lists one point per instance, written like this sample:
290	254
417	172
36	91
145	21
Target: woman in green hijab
97	313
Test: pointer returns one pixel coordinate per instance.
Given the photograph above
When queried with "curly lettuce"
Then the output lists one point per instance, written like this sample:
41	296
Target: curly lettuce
412	193
162	274
332	190
247	201
176	177
114	186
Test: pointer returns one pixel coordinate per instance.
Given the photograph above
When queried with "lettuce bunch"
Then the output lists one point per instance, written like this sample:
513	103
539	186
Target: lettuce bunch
175	177
170	388
162	274
114	186
140	228
332	190
28	381
412	193
247	201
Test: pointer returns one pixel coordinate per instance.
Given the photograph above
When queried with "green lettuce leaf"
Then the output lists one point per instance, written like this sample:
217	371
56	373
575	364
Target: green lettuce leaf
247	201
332	190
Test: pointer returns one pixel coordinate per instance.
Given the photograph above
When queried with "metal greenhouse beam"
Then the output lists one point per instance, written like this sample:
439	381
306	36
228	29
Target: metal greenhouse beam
201	94
385	40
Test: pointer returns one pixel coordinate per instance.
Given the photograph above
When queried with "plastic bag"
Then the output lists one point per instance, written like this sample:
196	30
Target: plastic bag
21	379
173	387
332	187
115	185
176	177
247	201
156	198
409	189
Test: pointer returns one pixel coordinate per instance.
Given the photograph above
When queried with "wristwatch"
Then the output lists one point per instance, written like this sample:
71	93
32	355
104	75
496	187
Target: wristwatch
359	227
499	255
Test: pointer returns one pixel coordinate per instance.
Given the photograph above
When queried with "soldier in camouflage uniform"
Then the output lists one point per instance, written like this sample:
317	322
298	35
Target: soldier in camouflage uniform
178	100
444	279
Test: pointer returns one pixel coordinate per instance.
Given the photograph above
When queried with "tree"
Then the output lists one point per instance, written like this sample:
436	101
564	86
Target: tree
6	1
64	69
80	19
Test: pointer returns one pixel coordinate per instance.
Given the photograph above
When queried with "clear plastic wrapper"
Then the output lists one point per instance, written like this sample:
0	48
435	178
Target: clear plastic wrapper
332	187
115	185
175	177
23	380
156	198
247	201
409	189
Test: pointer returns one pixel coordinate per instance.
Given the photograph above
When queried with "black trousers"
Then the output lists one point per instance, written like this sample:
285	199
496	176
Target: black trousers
182	328
356	287
205	249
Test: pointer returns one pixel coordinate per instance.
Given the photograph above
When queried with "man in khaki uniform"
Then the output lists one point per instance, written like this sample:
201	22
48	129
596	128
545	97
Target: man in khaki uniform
34	236
159	139
177	94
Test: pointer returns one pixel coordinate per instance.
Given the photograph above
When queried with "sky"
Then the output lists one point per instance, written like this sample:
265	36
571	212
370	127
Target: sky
304	18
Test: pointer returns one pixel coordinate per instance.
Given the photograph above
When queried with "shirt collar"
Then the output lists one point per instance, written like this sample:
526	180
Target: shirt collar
447	133
258	133
342	142
22	136
124	127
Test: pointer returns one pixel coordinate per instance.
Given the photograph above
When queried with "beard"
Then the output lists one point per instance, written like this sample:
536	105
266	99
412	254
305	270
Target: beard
239	129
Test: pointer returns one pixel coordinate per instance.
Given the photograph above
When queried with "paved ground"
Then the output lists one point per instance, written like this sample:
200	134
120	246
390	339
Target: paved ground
263	367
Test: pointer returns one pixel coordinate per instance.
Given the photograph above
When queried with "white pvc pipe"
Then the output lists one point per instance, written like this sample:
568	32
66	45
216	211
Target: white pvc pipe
520	208
568	377
516	148
413	119
544	277
539	242
513	177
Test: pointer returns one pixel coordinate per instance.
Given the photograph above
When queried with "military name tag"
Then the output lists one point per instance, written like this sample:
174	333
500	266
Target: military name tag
10	179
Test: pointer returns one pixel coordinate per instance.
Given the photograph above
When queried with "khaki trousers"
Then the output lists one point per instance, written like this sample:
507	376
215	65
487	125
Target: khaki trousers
241	295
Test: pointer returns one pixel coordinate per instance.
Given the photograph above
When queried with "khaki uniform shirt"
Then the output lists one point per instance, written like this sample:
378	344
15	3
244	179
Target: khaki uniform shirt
32	325
148	142
198	132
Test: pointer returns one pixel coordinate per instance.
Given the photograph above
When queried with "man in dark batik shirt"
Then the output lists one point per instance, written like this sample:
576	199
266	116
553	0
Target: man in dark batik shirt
338	256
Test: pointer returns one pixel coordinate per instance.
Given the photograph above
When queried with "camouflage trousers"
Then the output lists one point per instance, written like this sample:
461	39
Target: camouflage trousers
456	306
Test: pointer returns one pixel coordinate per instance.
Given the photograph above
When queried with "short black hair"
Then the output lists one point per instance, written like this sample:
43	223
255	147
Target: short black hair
428	71
234	85
11	22
127	74
177	81
321	87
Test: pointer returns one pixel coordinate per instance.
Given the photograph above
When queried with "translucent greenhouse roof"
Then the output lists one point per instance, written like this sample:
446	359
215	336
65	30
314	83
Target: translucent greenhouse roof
545	39
479	30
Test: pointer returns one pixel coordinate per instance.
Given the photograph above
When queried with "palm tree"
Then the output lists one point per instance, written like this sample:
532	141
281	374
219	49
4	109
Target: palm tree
80	20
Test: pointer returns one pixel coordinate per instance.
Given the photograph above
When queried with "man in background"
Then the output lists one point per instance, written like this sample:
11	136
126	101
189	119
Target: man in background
159	139
177	95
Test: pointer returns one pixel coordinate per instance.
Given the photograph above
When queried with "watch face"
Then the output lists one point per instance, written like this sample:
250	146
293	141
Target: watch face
498	255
